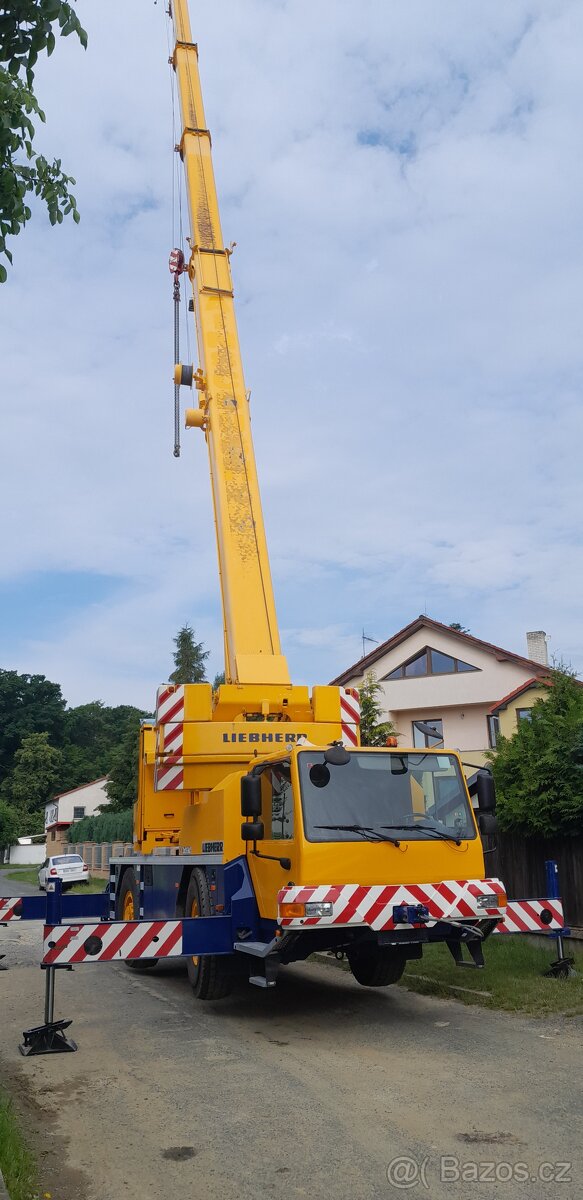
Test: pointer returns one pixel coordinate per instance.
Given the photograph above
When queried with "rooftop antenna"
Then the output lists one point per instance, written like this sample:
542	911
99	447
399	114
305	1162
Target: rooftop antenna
366	638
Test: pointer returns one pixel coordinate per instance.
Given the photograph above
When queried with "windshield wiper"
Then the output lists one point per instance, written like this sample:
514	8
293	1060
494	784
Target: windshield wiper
440	833
367	831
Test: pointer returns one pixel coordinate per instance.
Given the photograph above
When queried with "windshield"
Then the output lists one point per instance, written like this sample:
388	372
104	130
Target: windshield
67	860
410	793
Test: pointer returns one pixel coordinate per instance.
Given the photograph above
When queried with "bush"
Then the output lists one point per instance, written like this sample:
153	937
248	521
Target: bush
107	827
539	771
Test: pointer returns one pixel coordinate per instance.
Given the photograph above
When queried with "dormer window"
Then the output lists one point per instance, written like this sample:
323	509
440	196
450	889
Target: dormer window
430	662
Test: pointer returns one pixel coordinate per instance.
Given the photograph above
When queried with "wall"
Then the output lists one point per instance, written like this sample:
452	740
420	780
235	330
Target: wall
34	853
467	733
507	716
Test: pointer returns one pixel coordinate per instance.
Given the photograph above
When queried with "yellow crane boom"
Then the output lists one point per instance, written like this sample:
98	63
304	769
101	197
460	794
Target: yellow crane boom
252	646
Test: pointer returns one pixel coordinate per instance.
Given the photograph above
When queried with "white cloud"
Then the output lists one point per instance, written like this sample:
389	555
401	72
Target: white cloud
405	192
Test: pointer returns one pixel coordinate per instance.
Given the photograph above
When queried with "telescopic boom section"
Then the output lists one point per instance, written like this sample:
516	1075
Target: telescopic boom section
252	646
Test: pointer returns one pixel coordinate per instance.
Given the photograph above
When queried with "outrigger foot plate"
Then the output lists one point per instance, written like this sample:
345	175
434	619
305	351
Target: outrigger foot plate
47	1039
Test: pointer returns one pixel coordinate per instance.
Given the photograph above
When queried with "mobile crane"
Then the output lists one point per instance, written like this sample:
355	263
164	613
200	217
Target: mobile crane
258	811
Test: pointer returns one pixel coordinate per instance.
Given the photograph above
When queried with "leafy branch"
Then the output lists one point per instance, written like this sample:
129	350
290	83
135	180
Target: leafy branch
26	30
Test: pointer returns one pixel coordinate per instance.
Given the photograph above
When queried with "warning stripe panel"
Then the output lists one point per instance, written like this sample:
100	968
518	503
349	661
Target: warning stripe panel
111	941
8	908
532	916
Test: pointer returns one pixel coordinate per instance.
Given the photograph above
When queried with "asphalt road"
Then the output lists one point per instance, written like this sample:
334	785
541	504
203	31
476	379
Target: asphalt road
316	1089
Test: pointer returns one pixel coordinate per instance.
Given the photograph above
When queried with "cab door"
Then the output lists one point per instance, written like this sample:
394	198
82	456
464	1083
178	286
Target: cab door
278	814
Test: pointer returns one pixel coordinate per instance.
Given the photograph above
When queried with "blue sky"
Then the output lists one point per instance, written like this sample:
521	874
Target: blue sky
405	192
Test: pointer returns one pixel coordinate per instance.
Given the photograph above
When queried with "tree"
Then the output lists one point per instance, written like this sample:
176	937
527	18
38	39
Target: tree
539	771
9	829
26	30
189	658
218	680
93	735
28	704
32	782
458	628
122	783
373	731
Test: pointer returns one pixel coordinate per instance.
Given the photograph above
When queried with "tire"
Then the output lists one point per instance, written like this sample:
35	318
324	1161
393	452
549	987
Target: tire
127	907
211	976
373	966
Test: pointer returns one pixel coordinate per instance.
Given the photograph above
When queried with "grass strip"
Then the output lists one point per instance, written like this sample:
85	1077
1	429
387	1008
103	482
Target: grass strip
16	1161
30	875
513	976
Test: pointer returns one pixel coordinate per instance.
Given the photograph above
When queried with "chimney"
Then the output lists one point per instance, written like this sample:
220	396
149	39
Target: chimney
536	647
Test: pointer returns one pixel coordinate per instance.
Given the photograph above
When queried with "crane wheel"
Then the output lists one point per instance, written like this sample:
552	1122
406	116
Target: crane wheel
375	966
211	975
127	908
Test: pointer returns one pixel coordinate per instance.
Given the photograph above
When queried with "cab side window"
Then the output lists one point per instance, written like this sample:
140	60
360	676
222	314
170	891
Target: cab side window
278	806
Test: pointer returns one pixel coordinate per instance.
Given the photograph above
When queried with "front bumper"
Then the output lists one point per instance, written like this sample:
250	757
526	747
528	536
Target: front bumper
379	907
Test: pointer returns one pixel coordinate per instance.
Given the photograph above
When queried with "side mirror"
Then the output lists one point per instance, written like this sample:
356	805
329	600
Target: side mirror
485	792
336	755
487	822
252	831
251	796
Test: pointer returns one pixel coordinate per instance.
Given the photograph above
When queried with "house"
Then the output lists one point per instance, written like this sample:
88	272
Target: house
437	676
71	806
517	706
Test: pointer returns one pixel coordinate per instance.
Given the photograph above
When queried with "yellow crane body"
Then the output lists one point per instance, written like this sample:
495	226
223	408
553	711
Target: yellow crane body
256	803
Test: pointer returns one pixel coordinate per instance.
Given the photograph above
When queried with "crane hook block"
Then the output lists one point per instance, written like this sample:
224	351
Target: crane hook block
183	374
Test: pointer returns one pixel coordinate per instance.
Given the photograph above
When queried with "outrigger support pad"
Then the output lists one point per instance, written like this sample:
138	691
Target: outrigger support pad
47	1039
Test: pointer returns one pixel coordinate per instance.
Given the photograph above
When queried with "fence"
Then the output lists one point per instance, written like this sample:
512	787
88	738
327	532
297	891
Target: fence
98	854
520	863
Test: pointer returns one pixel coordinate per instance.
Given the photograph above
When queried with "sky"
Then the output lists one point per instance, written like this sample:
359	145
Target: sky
404	184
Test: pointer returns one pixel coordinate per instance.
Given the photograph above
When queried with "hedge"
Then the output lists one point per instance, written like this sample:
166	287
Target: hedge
107	827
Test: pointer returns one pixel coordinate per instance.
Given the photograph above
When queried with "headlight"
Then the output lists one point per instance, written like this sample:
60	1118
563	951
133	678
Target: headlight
491	901
319	908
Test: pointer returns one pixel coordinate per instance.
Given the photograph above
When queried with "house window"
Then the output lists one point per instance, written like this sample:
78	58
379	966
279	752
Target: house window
53	835
422	737
430	662
493	731
78	812
523	714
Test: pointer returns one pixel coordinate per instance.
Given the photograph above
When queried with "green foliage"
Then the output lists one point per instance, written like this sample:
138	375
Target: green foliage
458	628
9	830
32	782
122	784
539	771
218	680
189	658
28	704
81	744
373	731
26	30
105	827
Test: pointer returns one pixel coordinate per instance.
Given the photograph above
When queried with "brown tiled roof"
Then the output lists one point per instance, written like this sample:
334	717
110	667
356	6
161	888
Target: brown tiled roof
422	622
518	692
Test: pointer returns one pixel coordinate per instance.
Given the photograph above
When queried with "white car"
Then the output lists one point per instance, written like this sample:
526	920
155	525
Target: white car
69	868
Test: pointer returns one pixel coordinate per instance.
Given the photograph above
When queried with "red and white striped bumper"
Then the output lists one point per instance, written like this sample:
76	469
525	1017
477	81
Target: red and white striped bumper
352	904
